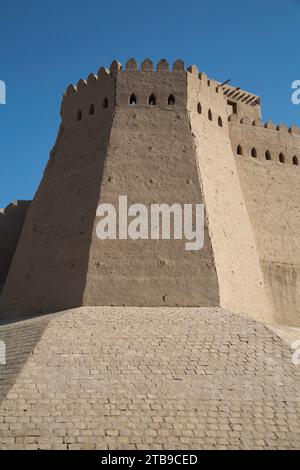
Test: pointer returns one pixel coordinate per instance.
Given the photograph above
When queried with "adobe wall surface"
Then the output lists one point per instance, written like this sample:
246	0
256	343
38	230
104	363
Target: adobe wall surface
174	378
271	191
151	159
238	267
11	224
49	270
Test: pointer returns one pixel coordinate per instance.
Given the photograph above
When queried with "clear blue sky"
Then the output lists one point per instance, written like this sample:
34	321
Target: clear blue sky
45	45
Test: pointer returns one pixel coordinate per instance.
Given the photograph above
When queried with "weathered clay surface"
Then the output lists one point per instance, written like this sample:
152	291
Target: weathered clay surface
11	224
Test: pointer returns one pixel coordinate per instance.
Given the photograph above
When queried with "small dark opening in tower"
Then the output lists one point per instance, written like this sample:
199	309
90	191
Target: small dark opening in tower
254	153
105	103
199	108
295	160
239	150
220	122
210	115
152	100
171	100
268	155
92	110
232	107
281	158
132	100
79	115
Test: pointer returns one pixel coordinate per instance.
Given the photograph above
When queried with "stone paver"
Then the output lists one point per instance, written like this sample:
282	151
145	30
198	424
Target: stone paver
157	378
20	338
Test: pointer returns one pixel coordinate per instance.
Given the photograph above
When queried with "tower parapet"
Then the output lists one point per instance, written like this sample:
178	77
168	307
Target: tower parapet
265	142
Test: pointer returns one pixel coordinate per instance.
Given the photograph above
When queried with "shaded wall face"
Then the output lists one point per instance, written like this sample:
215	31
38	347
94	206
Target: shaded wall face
11	224
151	159
49	270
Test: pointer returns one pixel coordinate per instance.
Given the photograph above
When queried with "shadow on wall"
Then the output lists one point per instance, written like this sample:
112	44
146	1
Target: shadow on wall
11	223
49	270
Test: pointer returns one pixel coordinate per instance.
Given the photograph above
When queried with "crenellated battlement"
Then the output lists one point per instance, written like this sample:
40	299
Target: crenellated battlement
235	119
87	96
162	71
264	141
162	85
131	65
144	85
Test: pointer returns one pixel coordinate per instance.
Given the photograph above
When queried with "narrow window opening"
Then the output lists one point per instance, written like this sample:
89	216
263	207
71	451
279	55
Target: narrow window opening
152	100
171	100
220	122
92	110
232	107
79	115
281	158
254	153
239	150
199	108
132	100
210	115
295	160
268	155
105	103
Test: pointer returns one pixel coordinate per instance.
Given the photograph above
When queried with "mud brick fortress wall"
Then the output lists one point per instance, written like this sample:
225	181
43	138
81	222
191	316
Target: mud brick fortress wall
163	136
11	223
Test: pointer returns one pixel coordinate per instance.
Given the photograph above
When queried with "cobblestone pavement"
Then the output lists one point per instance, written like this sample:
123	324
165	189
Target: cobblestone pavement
157	378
